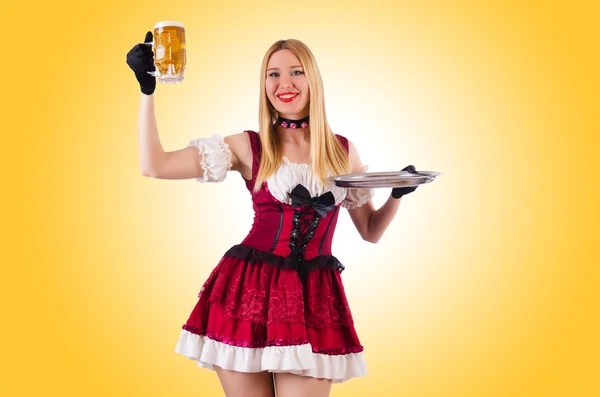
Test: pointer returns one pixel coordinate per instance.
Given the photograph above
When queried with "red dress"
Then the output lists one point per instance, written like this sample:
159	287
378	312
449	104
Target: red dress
276	302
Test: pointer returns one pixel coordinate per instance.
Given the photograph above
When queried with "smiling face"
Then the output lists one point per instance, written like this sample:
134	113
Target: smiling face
286	85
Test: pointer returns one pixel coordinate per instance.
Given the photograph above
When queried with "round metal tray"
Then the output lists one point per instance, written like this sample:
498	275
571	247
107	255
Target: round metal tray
373	180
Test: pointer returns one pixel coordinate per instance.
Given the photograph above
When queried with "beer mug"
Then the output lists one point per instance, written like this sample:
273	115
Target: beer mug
169	51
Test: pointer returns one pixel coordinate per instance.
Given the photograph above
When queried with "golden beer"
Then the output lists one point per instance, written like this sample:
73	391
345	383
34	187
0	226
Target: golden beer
169	51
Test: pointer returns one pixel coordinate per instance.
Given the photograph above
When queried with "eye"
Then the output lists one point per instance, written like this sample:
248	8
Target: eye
274	74
297	72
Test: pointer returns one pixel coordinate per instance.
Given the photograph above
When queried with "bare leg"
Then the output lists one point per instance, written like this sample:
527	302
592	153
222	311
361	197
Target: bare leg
243	384
290	385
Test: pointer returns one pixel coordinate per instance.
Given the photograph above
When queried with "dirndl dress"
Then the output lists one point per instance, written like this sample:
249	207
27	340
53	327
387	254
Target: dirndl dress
276	302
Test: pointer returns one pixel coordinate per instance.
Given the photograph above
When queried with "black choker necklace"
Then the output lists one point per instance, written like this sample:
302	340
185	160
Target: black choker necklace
293	124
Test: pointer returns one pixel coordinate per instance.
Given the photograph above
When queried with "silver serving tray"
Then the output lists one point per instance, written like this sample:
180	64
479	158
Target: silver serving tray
373	180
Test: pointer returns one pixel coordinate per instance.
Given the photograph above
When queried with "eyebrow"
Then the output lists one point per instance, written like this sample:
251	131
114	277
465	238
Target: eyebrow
295	66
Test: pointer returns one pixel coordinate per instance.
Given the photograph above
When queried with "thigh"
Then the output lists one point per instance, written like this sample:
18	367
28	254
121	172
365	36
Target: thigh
290	385
244	384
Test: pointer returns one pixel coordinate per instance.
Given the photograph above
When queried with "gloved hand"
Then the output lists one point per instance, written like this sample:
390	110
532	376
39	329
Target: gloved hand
398	192
141	60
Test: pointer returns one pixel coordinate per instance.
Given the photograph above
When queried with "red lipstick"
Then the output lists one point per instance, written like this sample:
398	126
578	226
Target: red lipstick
289	96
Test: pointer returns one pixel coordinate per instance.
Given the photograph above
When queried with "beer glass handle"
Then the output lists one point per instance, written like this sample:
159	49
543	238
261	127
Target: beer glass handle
155	73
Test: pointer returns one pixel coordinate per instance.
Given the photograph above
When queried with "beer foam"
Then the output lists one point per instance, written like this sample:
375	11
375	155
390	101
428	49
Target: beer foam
162	24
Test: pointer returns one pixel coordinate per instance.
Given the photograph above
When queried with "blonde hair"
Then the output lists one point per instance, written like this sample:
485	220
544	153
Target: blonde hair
327	152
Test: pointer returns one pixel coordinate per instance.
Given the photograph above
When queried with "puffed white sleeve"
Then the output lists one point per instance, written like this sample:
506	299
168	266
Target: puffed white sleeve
356	197
216	158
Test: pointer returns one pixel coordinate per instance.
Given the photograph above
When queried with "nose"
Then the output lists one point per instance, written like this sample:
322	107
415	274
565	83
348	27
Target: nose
285	81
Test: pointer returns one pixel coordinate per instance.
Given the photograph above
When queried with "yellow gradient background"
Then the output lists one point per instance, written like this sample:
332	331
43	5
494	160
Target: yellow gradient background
486	283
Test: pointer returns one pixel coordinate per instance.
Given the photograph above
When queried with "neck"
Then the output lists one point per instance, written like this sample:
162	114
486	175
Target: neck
296	137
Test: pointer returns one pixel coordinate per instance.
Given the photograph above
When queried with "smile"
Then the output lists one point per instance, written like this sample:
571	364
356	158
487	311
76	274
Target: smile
287	97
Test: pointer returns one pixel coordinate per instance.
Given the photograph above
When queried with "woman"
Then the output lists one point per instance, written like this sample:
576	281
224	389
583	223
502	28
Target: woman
273	315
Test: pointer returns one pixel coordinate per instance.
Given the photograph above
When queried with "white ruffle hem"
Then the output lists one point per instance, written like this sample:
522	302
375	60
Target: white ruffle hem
299	360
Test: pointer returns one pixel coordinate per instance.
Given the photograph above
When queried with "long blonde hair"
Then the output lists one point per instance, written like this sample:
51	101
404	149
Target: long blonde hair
327	151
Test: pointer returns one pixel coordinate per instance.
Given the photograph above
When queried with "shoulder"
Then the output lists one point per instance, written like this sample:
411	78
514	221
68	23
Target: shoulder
249	139
238	143
356	165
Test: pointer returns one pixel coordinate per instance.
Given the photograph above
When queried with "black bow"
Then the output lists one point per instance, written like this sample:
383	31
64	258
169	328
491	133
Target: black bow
322	204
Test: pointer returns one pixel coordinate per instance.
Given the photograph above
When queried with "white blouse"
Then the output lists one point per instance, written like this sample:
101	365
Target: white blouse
216	162
289	174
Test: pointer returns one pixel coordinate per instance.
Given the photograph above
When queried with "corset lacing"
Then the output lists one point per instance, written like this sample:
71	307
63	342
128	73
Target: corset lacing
303	230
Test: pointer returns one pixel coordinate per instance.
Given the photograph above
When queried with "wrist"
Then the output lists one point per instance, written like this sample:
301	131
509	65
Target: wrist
147	90
396	196
398	192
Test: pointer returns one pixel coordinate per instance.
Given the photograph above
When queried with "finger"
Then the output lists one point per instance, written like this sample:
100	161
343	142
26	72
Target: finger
148	38
146	50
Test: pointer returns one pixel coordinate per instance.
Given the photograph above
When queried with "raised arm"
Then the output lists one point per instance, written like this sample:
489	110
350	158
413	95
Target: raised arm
206	159
154	161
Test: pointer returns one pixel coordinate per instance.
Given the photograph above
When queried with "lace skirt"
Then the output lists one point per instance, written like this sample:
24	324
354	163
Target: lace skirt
253	316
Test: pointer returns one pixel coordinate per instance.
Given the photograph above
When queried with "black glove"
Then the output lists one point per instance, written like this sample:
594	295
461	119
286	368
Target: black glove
141	60
398	192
